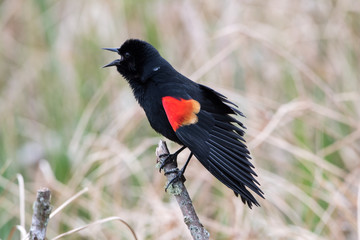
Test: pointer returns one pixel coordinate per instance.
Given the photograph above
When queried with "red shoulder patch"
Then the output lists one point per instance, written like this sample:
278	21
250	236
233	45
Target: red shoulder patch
180	112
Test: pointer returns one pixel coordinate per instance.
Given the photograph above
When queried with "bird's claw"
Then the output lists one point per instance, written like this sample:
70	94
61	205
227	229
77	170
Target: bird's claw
179	177
173	170
168	158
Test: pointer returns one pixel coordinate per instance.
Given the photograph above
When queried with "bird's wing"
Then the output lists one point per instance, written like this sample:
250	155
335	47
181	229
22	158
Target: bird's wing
206	127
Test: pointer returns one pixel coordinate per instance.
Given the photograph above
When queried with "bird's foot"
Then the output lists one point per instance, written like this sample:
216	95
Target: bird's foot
165	159
178	177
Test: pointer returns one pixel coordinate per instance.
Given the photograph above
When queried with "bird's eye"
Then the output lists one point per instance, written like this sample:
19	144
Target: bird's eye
127	55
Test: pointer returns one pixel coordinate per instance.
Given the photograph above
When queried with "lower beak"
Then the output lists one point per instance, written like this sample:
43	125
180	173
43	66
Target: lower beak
113	63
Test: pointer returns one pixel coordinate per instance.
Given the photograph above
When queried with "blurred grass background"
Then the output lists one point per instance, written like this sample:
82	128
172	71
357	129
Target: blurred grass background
65	123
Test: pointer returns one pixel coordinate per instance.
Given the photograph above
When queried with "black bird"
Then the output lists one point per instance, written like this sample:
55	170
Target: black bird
190	114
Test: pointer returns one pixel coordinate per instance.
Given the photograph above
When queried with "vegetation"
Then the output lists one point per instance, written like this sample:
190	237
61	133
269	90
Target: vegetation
65	123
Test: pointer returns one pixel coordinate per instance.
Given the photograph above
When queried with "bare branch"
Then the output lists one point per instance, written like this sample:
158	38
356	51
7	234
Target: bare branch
178	189
40	218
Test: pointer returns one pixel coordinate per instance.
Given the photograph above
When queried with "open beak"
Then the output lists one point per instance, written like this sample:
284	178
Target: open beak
115	62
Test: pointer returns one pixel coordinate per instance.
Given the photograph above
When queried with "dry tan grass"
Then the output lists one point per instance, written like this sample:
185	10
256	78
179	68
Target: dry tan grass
292	67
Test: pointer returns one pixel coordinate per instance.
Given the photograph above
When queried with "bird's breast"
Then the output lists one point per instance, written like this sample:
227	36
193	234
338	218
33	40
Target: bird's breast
154	110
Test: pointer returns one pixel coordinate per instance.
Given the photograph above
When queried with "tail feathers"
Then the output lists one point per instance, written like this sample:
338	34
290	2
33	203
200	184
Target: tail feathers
217	142
235	185
229	161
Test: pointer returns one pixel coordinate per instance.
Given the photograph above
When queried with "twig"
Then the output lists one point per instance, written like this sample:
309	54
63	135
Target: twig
67	202
95	223
21	228
178	189
40	218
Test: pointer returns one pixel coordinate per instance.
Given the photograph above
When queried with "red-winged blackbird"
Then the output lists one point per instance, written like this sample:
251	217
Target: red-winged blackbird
190	114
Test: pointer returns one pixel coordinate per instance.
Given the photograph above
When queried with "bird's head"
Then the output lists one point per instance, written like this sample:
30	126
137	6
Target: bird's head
138	59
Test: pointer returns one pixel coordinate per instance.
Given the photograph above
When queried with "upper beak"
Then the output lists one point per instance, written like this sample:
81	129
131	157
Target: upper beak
115	62
112	49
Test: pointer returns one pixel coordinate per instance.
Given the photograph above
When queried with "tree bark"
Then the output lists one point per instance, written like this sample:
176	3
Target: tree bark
181	194
40	218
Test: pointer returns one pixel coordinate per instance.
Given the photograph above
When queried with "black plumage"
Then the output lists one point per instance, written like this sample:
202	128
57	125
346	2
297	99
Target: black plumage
196	116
